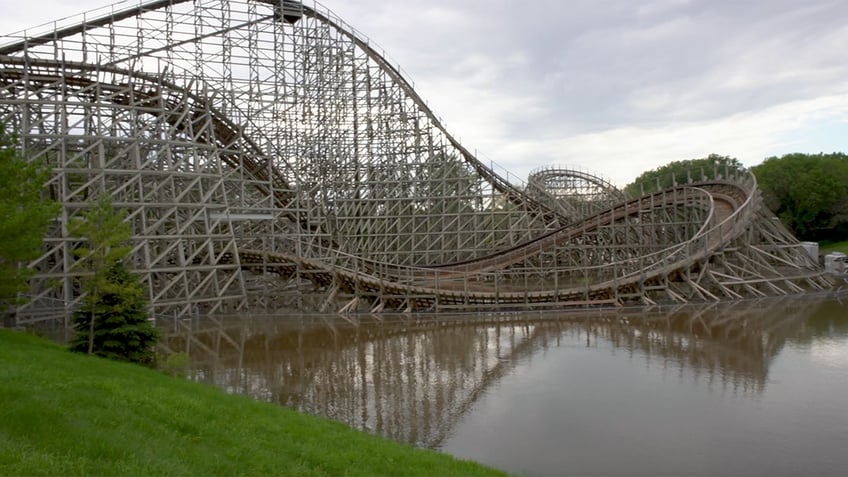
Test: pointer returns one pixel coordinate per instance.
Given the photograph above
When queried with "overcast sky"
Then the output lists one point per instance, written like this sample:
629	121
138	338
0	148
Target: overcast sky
614	87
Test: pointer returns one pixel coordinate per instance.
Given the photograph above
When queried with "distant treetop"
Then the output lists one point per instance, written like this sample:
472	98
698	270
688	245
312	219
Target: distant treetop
683	172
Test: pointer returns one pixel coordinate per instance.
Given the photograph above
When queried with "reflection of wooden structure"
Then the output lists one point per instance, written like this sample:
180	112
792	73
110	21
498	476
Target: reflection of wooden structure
411	380
271	158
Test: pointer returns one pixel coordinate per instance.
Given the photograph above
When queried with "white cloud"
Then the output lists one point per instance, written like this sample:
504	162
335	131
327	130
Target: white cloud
624	152
613	85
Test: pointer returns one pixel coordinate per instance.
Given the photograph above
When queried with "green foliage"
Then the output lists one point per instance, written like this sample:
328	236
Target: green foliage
106	236
71	415
826	247
809	192
683	172
121	330
174	364
113	321
450	188
24	217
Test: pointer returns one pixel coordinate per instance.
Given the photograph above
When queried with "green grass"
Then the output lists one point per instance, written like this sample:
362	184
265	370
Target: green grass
827	247
68	414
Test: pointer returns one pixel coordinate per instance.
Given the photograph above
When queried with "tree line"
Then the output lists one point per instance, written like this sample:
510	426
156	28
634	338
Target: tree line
808	192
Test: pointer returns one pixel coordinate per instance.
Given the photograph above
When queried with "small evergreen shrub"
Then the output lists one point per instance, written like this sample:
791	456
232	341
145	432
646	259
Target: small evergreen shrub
121	329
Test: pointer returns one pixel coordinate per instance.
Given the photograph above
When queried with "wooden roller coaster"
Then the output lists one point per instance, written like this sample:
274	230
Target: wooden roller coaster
273	159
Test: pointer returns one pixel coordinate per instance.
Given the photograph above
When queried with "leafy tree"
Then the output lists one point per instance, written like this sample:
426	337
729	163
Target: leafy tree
681	172
113	321
449	187
24	218
809	192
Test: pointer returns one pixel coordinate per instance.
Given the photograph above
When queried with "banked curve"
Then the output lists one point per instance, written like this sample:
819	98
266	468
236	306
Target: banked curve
729	202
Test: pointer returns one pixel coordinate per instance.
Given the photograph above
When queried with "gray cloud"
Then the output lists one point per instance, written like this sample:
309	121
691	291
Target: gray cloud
534	82
602	64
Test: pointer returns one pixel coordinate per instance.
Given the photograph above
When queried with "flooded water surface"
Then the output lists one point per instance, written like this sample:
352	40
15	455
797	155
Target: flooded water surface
753	388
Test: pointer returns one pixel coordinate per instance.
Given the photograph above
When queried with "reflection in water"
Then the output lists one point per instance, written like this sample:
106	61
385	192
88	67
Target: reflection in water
413	379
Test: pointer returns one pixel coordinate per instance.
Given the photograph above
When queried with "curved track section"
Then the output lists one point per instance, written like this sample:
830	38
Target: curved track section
271	158
574	193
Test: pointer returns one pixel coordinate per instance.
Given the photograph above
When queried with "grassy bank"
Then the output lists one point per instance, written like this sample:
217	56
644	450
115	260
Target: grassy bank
68	414
827	247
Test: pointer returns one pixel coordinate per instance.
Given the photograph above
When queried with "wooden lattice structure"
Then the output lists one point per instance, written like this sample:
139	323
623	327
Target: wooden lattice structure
272	159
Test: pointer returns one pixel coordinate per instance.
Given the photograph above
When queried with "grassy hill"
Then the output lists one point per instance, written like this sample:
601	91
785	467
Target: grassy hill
68	414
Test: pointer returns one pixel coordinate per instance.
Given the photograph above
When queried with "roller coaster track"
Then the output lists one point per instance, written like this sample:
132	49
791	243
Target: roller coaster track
574	193
154	96
448	283
271	158
298	9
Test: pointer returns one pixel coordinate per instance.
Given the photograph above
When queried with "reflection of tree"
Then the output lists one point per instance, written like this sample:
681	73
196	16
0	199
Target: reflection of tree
412	380
732	344
827	321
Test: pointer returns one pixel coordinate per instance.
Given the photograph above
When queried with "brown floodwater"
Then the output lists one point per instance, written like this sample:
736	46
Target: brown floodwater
750	388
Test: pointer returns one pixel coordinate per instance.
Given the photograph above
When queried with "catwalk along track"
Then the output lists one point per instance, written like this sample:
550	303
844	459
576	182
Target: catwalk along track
272	159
